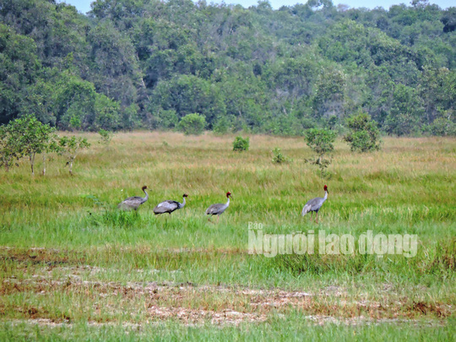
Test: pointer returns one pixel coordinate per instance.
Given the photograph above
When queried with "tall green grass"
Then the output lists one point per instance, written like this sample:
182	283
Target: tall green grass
408	188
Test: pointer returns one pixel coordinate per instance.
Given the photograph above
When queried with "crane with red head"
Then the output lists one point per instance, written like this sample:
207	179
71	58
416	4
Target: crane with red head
315	204
219	208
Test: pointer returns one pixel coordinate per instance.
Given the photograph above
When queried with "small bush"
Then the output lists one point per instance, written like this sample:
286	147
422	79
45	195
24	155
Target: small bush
240	144
105	137
278	157
364	135
320	140
442	127
192	124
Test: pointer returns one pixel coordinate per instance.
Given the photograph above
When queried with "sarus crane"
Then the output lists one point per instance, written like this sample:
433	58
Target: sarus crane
169	206
133	203
315	204
219	208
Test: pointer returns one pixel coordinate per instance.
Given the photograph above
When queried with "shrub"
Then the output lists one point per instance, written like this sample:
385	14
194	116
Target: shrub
442	127
105	137
278	157
70	147
26	137
364	135
240	144
192	124
9	147
320	140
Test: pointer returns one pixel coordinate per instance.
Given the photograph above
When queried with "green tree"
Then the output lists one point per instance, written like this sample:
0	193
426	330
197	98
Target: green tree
167	119
329	98
32	138
70	147
364	135
406	113
192	124
222	125
321	142
105	137
19	68
9	147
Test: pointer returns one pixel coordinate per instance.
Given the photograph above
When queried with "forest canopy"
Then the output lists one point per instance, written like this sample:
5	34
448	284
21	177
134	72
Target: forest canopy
147	64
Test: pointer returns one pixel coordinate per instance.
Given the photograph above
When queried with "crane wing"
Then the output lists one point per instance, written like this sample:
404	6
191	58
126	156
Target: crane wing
306	209
131	203
215	209
166	207
311	205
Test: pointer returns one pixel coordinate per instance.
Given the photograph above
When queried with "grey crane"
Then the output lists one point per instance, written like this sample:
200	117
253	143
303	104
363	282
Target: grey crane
315	204
219	208
134	202
169	206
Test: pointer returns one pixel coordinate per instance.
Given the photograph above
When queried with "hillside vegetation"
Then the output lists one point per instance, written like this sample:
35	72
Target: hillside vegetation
148	63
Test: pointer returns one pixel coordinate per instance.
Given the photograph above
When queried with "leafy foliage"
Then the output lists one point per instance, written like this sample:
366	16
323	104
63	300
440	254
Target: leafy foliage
105	137
9	147
320	140
278	157
192	124
150	63
240	144
364	135
26	136
70	146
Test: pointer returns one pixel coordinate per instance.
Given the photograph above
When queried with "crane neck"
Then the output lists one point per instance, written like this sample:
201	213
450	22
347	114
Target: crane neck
183	203
228	202
147	195
326	195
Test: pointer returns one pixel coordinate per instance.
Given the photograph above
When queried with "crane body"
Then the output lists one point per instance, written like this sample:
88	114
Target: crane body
219	208
315	204
133	203
169	206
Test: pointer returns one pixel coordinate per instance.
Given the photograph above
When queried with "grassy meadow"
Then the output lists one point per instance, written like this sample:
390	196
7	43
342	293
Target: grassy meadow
75	268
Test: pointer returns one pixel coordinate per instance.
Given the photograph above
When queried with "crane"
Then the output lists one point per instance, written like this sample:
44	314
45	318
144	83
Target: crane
219	208
134	202
315	204
169	206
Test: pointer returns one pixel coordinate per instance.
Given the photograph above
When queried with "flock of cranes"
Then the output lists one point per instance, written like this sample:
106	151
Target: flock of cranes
168	206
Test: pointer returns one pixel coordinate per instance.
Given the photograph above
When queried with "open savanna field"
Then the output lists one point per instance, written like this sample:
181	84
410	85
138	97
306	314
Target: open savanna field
73	267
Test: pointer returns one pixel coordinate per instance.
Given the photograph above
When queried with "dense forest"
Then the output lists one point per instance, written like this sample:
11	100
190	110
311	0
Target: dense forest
147	63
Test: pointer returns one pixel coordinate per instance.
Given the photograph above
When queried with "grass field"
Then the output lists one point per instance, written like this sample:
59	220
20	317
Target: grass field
74	267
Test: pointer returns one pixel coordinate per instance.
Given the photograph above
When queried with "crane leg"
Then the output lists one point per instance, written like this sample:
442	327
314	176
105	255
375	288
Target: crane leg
316	218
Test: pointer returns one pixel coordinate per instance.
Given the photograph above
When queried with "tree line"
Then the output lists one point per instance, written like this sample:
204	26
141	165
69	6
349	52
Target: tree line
150	63
27	137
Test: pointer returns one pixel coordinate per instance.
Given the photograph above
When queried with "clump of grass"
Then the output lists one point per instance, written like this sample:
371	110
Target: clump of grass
116	218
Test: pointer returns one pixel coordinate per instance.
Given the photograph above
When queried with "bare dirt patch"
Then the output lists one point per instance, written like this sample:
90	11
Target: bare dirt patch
193	304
